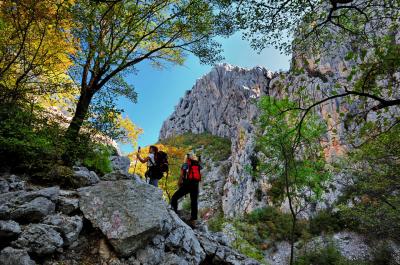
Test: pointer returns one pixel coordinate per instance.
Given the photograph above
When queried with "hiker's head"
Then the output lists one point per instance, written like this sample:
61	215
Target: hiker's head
153	149
192	156
187	156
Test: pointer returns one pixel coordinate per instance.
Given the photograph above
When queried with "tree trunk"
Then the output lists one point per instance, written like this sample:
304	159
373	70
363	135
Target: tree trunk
292	234
80	113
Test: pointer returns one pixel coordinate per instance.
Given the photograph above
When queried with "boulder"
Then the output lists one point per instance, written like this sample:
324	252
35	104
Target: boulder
11	256
173	259
84	177
40	239
33	211
183	241
9	229
20	197
68	227
33	204
120	164
15	183
116	176
67	205
150	255
128	213
4	187
218	253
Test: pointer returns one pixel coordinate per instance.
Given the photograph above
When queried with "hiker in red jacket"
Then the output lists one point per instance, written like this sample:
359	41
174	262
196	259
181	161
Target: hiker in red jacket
189	183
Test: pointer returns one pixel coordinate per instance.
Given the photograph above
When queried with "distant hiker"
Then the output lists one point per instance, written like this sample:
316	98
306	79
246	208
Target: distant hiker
157	165
189	183
152	172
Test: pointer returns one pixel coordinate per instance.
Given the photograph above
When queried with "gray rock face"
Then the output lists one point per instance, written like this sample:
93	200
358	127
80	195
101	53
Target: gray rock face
9	229
11	256
84	177
218	102
128	213
120	164
68	227
40	239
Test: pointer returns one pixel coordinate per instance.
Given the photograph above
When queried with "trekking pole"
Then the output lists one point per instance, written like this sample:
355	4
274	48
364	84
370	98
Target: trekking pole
134	170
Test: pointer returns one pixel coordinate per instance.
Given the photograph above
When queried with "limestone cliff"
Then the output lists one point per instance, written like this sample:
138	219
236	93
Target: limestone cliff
223	103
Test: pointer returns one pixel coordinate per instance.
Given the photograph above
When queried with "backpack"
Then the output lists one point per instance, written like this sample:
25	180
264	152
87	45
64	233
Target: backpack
162	161
194	171
160	166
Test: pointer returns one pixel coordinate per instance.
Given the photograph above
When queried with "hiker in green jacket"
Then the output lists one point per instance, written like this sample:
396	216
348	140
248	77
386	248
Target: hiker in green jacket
189	183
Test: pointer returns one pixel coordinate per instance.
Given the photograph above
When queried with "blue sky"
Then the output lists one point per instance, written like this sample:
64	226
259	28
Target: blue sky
160	90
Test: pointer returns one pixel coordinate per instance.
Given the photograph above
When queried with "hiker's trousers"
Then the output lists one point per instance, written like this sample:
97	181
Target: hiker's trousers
191	187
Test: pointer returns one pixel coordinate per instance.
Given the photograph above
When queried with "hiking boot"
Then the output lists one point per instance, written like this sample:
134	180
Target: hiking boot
192	223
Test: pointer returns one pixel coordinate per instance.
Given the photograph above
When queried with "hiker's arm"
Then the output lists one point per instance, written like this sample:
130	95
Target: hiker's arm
143	160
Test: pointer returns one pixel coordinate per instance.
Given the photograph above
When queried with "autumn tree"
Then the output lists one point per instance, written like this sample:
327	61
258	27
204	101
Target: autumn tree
35	45
115	36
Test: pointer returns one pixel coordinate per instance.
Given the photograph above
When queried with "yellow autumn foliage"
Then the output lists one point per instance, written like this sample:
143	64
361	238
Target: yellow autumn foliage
35	48
176	155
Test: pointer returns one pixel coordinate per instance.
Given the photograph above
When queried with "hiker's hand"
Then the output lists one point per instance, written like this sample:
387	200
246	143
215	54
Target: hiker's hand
180	182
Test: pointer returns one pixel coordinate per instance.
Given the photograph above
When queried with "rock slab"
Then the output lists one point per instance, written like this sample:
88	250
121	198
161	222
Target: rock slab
128	213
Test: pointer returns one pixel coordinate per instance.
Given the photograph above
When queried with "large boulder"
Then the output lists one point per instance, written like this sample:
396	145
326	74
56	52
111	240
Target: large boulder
11	256
40	239
68	227
128	213
84	177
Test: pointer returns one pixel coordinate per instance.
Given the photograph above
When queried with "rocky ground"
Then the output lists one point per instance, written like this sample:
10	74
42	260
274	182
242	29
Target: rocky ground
113	219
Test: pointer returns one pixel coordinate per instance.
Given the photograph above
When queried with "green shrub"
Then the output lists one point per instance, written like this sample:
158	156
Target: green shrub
217	148
99	159
272	223
186	204
326	256
216	223
27	141
31	141
383	255
244	247
327	222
